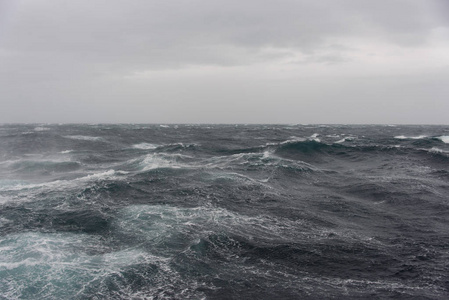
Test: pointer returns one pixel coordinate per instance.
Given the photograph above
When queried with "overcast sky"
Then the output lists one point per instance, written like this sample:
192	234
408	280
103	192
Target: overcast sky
224	61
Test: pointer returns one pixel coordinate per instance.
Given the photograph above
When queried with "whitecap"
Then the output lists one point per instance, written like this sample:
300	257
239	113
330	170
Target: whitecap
348	138
66	151
444	139
264	160
182	145
164	126
163	160
40	128
403	137
145	146
436	150
83	137
292	139
314	137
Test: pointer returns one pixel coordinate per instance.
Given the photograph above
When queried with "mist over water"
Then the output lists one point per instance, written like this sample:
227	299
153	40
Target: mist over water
224	212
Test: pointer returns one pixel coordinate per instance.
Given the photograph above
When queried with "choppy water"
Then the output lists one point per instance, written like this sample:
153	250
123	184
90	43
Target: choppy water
224	212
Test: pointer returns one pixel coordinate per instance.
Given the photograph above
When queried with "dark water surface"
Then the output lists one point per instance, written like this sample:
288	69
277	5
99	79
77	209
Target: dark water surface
224	212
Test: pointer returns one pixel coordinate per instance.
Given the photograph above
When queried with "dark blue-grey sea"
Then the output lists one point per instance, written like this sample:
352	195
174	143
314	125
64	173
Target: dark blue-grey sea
138	211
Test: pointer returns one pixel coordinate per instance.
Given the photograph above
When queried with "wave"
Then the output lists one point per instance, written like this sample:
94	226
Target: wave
158	161
257	160
66	151
40	128
83	138
444	139
145	146
30	166
307	147
344	140
178	146
243	162
314	137
207	234
438	154
437	150
64	184
157	224
403	137
172	147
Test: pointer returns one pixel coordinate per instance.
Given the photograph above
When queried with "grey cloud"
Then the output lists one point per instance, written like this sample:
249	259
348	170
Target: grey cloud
58	57
172	33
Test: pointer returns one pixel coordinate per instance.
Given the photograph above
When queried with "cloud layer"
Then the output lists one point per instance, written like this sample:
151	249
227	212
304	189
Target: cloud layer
224	61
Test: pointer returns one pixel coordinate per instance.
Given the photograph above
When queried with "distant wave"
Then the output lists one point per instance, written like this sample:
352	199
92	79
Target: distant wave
66	151
437	150
158	161
40	128
145	146
83	137
314	137
309	146
348	138
403	137
266	160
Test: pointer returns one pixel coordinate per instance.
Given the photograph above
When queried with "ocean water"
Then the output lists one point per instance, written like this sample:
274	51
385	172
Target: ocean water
224	212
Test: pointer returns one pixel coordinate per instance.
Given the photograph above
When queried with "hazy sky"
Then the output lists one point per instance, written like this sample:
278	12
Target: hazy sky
216	61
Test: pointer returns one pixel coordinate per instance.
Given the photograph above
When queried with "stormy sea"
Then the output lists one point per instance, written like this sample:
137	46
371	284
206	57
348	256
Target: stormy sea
139	211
